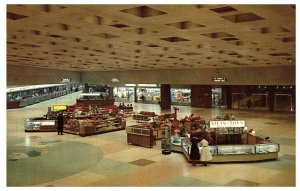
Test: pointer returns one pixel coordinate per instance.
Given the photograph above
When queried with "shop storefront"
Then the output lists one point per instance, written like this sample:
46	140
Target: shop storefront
147	94
180	96
124	94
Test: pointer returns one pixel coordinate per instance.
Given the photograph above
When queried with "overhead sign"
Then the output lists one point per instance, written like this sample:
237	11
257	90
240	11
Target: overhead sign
226	124
115	80
219	79
59	107
65	80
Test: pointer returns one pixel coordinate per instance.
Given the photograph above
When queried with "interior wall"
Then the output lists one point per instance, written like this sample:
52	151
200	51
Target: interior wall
20	75
235	76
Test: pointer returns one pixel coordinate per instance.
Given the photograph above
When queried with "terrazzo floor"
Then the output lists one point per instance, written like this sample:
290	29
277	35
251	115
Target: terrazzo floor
46	159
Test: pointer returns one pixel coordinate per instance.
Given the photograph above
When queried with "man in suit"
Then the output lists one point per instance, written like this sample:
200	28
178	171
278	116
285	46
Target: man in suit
60	124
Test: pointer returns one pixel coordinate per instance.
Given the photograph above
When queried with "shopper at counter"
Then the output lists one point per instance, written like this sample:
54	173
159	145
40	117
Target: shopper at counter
205	153
60	124
195	154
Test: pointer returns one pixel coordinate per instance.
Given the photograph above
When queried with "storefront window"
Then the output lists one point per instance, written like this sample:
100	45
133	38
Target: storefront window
180	96
148	95
124	94
260	101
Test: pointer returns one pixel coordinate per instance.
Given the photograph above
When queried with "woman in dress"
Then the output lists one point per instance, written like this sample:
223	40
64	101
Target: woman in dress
205	152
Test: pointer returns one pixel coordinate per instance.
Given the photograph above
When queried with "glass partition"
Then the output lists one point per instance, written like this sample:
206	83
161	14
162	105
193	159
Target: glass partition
235	149
267	148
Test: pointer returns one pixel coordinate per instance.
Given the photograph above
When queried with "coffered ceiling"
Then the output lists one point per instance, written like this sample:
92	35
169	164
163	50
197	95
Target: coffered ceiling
150	37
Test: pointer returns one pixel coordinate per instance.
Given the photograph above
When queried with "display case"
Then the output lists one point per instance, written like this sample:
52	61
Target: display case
176	144
237	153
140	136
87	127
18	97
40	125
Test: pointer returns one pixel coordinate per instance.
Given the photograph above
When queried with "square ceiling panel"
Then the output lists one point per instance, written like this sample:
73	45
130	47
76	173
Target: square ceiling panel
266	30
105	35
224	9
119	25
14	16
143	11
185	25
243	17
217	35
174	39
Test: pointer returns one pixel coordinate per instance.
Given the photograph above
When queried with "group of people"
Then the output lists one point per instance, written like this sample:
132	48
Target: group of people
229	117
204	155
123	106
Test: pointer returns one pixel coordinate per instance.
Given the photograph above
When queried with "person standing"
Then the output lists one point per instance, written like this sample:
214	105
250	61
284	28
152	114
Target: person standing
249	104
195	155
205	153
60	124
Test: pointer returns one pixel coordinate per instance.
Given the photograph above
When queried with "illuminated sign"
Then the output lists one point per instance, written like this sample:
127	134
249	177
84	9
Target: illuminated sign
64	80
219	79
226	124
59	107
115	80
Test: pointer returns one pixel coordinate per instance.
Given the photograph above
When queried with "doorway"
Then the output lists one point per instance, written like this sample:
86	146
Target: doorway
216	95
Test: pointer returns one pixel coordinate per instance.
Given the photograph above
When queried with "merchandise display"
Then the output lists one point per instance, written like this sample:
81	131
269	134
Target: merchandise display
95	98
140	136
86	127
238	153
28	95
229	141
79	120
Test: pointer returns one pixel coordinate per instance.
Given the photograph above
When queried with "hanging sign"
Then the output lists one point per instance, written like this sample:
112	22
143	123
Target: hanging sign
219	79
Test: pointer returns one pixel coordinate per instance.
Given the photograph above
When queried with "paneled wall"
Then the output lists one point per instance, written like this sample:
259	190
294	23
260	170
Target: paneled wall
19	75
235	76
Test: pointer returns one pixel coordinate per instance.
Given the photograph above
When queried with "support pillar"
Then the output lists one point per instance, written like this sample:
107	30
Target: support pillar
135	94
271	100
201	96
229	97
165	96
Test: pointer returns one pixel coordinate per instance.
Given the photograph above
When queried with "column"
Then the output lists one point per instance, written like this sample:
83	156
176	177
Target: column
201	96
85	88
228	96
135	94
165	96
271	99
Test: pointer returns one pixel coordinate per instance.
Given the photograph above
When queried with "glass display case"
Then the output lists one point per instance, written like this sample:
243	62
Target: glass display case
241	152
235	149
176	144
27	95
40	125
267	148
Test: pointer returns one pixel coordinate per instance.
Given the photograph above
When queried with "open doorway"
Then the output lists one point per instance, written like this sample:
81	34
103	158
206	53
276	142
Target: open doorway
216	97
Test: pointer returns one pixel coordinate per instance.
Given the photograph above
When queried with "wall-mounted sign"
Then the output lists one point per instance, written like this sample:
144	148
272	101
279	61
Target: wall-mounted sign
226	124
65	80
115	80
219	79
